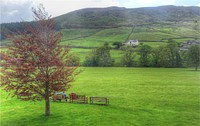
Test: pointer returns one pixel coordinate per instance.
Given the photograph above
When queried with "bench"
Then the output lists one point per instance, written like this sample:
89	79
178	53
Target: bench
59	97
74	98
99	100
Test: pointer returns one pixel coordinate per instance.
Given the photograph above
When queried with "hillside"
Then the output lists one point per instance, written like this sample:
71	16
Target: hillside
92	27
117	16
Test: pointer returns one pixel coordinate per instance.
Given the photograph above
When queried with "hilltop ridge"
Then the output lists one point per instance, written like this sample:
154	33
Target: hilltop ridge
118	16
113	17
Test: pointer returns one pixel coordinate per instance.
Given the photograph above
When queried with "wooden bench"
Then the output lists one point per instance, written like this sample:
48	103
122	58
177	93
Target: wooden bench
74	98
59	97
99	100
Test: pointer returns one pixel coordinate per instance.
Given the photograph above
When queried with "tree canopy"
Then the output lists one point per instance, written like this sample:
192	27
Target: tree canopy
100	57
36	66
194	56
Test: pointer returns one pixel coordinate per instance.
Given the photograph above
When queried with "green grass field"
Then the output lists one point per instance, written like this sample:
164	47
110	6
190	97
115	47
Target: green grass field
155	33
138	97
98	38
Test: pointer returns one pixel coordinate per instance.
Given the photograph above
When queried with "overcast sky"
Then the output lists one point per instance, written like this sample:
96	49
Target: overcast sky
19	10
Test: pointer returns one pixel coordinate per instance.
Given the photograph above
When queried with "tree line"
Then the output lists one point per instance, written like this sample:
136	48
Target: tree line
168	56
16	27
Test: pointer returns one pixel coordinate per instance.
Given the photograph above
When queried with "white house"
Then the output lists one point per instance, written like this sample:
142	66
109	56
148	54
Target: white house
131	43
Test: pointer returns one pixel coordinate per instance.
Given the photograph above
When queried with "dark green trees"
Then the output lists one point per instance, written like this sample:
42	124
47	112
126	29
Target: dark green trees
117	45
162	56
170	56
194	56
100	57
144	52
128	57
157	56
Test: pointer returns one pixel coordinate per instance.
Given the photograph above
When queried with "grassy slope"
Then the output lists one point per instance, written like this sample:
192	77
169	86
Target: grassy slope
156	33
138	96
100	37
153	35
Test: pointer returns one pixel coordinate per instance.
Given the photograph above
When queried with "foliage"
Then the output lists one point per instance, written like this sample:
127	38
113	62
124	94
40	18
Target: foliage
171	56
162	56
194	56
117	45
73	61
91	59
128	57
158	57
100	57
35	66
156	60
144	52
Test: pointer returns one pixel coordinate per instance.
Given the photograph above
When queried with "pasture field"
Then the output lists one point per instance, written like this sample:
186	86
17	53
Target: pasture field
156	34
138	97
99	37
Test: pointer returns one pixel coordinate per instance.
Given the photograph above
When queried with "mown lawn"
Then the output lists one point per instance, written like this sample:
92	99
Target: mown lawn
138	97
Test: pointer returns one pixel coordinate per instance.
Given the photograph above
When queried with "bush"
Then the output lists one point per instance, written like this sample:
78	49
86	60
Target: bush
100	57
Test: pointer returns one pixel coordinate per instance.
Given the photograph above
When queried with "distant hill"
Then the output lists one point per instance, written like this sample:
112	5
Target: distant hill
112	17
117	16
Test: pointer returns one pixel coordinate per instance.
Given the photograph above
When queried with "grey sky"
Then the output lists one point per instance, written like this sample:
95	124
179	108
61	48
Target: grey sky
18	10
13	11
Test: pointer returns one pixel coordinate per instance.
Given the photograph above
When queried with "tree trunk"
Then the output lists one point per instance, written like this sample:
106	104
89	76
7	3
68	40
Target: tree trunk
47	103
196	68
47	106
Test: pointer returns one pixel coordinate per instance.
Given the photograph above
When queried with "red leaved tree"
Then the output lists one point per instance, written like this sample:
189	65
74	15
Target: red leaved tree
35	66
